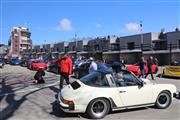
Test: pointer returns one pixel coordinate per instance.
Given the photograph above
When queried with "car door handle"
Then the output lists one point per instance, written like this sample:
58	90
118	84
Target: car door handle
122	91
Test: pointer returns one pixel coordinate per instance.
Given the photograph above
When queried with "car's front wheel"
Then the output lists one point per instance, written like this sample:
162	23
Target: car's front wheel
163	100
98	108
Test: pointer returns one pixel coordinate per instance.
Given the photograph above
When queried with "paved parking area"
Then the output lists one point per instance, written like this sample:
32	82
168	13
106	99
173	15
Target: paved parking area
20	99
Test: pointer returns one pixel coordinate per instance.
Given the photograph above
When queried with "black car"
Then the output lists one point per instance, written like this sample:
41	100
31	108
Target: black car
116	65
53	66
83	69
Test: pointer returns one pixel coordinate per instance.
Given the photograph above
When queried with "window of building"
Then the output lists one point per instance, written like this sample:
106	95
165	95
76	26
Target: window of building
160	45
66	49
73	48
97	47
130	45
114	47
85	47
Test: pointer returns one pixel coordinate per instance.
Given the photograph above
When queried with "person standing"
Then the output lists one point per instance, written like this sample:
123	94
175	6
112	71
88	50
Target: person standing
93	65
65	69
142	65
150	62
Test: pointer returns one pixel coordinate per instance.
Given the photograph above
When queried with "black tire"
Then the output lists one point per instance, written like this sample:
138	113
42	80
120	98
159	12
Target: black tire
98	108
163	100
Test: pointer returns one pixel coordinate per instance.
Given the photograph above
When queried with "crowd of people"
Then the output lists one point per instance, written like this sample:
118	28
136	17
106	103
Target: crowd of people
66	69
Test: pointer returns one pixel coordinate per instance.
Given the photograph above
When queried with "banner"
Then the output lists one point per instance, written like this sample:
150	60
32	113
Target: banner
172	71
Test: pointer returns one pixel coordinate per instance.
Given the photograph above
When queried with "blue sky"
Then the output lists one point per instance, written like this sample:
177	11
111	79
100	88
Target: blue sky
52	21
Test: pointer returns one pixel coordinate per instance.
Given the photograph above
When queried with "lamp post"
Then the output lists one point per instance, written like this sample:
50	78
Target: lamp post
141	38
75	35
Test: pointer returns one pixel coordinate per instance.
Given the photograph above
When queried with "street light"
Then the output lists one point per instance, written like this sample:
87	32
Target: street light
75	35
141	37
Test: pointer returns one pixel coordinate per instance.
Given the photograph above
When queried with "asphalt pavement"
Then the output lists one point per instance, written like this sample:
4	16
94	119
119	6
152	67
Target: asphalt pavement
21	99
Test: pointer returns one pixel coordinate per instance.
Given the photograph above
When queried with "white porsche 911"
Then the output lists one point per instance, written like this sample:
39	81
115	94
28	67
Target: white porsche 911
99	92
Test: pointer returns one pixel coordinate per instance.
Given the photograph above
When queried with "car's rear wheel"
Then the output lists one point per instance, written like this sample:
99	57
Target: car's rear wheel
98	108
163	100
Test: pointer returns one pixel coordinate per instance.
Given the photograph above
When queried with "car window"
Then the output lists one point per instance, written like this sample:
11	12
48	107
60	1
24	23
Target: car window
95	79
125	79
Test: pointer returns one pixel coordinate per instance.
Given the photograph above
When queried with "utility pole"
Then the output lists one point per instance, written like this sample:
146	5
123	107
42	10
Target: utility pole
75	35
142	42
170	53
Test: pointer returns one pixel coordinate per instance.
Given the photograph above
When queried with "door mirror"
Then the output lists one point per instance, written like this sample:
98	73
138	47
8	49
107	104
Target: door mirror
141	83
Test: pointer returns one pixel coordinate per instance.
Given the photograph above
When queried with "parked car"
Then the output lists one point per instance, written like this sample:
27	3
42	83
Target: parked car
116	65
38	64
7	59
53	67
24	62
99	92
15	61
81	69
173	70
2	63
136	70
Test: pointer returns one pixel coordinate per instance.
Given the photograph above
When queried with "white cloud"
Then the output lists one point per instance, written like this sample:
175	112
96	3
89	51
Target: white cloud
98	25
132	27
65	25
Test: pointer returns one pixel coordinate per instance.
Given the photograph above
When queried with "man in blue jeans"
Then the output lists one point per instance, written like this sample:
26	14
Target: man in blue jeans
142	65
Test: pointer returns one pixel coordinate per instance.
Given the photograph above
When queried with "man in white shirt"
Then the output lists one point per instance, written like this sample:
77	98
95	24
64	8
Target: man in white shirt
93	65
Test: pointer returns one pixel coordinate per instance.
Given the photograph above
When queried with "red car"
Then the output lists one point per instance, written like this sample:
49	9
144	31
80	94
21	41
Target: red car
135	69
29	64
37	64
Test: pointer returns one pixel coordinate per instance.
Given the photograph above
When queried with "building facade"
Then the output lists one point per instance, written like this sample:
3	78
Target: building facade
19	41
163	46
3	50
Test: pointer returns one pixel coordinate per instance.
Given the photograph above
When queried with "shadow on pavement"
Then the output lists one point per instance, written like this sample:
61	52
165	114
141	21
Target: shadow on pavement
56	111
12	103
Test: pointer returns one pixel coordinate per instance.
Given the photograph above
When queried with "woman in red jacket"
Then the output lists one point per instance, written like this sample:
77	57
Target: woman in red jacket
65	69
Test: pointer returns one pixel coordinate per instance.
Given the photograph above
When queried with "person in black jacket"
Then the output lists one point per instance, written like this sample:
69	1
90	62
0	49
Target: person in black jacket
142	65
150	62
39	76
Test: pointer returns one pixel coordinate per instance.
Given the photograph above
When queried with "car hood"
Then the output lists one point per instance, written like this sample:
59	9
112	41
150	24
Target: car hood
132	67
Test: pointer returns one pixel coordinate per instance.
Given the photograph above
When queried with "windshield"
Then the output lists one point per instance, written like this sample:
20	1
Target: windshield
14	59
95	79
39	61
125	79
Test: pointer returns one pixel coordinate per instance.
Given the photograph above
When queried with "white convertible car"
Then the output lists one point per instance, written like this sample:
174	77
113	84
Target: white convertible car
98	93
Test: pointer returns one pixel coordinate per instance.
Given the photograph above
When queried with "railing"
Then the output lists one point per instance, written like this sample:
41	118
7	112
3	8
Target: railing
144	47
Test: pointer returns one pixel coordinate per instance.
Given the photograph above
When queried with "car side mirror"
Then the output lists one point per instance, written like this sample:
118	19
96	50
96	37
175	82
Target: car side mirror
141	83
